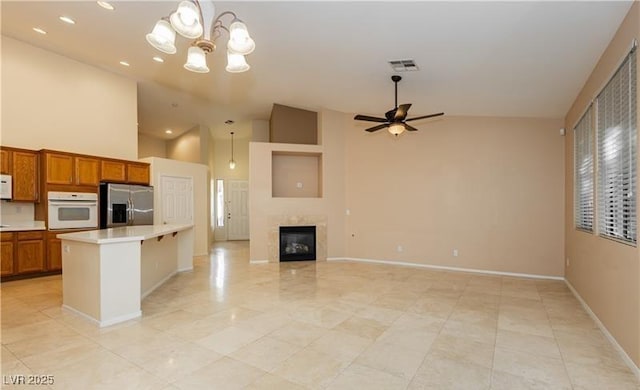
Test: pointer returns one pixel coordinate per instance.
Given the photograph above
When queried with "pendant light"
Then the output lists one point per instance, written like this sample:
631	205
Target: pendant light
232	162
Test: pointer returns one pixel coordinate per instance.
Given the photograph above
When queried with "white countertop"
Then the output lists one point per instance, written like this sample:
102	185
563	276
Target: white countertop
123	234
22	226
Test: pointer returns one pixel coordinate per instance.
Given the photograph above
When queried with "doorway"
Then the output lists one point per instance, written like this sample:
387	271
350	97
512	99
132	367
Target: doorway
237	209
177	199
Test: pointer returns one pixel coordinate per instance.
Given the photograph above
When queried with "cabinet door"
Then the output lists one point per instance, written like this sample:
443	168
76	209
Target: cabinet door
112	171
87	171
59	169
6	251
54	258
5	162
25	176
30	256
138	173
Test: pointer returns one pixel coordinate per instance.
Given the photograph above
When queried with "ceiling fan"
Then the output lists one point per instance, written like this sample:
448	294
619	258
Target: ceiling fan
395	119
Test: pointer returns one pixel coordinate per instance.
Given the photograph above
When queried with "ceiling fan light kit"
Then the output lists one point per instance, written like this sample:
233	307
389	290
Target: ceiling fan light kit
395	120
189	21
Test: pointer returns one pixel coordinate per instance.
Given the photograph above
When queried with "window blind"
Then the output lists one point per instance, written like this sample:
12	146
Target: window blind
616	140
583	172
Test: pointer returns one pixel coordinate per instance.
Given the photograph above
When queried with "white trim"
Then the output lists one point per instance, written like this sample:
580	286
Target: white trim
457	269
629	362
258	261
103	324
183	270
157	285
335	258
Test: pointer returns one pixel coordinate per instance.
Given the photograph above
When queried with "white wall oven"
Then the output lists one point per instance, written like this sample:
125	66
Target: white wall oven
72	210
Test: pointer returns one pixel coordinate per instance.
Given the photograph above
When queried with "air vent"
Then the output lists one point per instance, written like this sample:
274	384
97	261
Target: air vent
403	65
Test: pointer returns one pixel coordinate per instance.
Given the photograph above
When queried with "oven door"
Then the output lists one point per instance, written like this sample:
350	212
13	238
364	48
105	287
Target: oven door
74	214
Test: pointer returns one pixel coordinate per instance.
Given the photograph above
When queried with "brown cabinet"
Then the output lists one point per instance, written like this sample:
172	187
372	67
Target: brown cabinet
54	252
138	173
25	176
23	252
6	255
113	171
5	162
87	171
59	168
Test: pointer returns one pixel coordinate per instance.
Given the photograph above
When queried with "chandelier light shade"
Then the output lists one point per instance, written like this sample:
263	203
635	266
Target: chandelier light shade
239	40
396	129
190	20
232	162
196	60
236	63
186	20
163	37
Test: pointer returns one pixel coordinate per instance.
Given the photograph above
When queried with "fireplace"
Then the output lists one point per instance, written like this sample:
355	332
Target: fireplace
297	243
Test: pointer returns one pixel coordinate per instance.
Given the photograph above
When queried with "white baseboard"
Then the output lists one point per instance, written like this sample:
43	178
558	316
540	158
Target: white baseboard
258	261
103	324
445	268
629	362
149	291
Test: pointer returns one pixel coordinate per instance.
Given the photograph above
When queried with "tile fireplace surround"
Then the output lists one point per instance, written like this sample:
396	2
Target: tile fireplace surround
275	221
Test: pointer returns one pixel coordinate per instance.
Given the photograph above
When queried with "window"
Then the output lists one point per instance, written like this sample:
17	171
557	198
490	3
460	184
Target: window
616	140
583	172
220	203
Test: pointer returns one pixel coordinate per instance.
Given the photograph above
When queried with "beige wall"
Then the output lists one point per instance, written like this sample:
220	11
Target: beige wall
259	130
492	188
605	273
332	204
50	101
296	176
293	125
149	146
162	166
191	146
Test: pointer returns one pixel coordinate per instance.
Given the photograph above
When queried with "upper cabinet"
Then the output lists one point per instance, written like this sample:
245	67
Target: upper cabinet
138	173
5	162
79	170
25	176
23	166
113	170
59	168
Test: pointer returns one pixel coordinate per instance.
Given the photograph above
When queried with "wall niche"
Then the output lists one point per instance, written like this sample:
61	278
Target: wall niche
296	174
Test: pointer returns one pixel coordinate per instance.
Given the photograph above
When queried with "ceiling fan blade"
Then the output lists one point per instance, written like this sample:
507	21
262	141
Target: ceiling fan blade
376	128
369	118
401	112
390	115
424	117
409	127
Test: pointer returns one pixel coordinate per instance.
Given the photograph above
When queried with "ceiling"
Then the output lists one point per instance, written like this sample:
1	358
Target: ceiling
513	59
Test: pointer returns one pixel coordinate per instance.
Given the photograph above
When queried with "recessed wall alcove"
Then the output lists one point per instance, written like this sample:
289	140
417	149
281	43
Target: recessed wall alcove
296	174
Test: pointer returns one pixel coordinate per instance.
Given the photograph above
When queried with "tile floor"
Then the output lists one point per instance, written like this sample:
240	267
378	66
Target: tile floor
335	325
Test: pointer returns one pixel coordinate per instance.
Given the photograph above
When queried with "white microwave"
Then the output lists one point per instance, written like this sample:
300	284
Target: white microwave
72	210
5	187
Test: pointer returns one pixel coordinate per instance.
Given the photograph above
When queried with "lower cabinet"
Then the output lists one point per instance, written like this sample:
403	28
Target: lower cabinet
23	253
54	252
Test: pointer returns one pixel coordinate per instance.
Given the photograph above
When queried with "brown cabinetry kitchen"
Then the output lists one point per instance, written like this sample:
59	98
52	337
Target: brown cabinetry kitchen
69	169
138	173
113	170
23	252
23	166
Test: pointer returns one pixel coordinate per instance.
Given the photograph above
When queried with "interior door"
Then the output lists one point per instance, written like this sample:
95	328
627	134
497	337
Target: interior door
238	210
176	199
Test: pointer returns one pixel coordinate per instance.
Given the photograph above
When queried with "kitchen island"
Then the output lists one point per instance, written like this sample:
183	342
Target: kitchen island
106	273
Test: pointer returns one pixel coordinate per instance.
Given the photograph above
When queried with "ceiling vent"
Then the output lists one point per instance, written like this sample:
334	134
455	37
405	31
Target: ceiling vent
403	65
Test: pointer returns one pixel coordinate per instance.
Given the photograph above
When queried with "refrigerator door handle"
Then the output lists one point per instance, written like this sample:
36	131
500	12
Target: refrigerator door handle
130	211
133	213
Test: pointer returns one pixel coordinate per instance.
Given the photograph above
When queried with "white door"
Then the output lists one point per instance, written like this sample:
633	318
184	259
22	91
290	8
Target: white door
238	210
177	199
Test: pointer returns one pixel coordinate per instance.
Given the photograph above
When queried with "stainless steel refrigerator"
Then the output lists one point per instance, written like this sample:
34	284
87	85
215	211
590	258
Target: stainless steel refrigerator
125	205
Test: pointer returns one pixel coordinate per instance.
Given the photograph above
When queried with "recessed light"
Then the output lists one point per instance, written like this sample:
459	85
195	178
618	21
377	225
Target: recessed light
168	131
67	19
124	63
39	30
106	5
158	59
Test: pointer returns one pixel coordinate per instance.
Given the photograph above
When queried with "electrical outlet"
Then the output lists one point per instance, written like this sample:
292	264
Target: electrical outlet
67	249
400	248
455	253
568	262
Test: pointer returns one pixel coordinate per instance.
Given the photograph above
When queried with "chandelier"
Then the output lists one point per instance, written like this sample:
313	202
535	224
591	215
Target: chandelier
189	21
